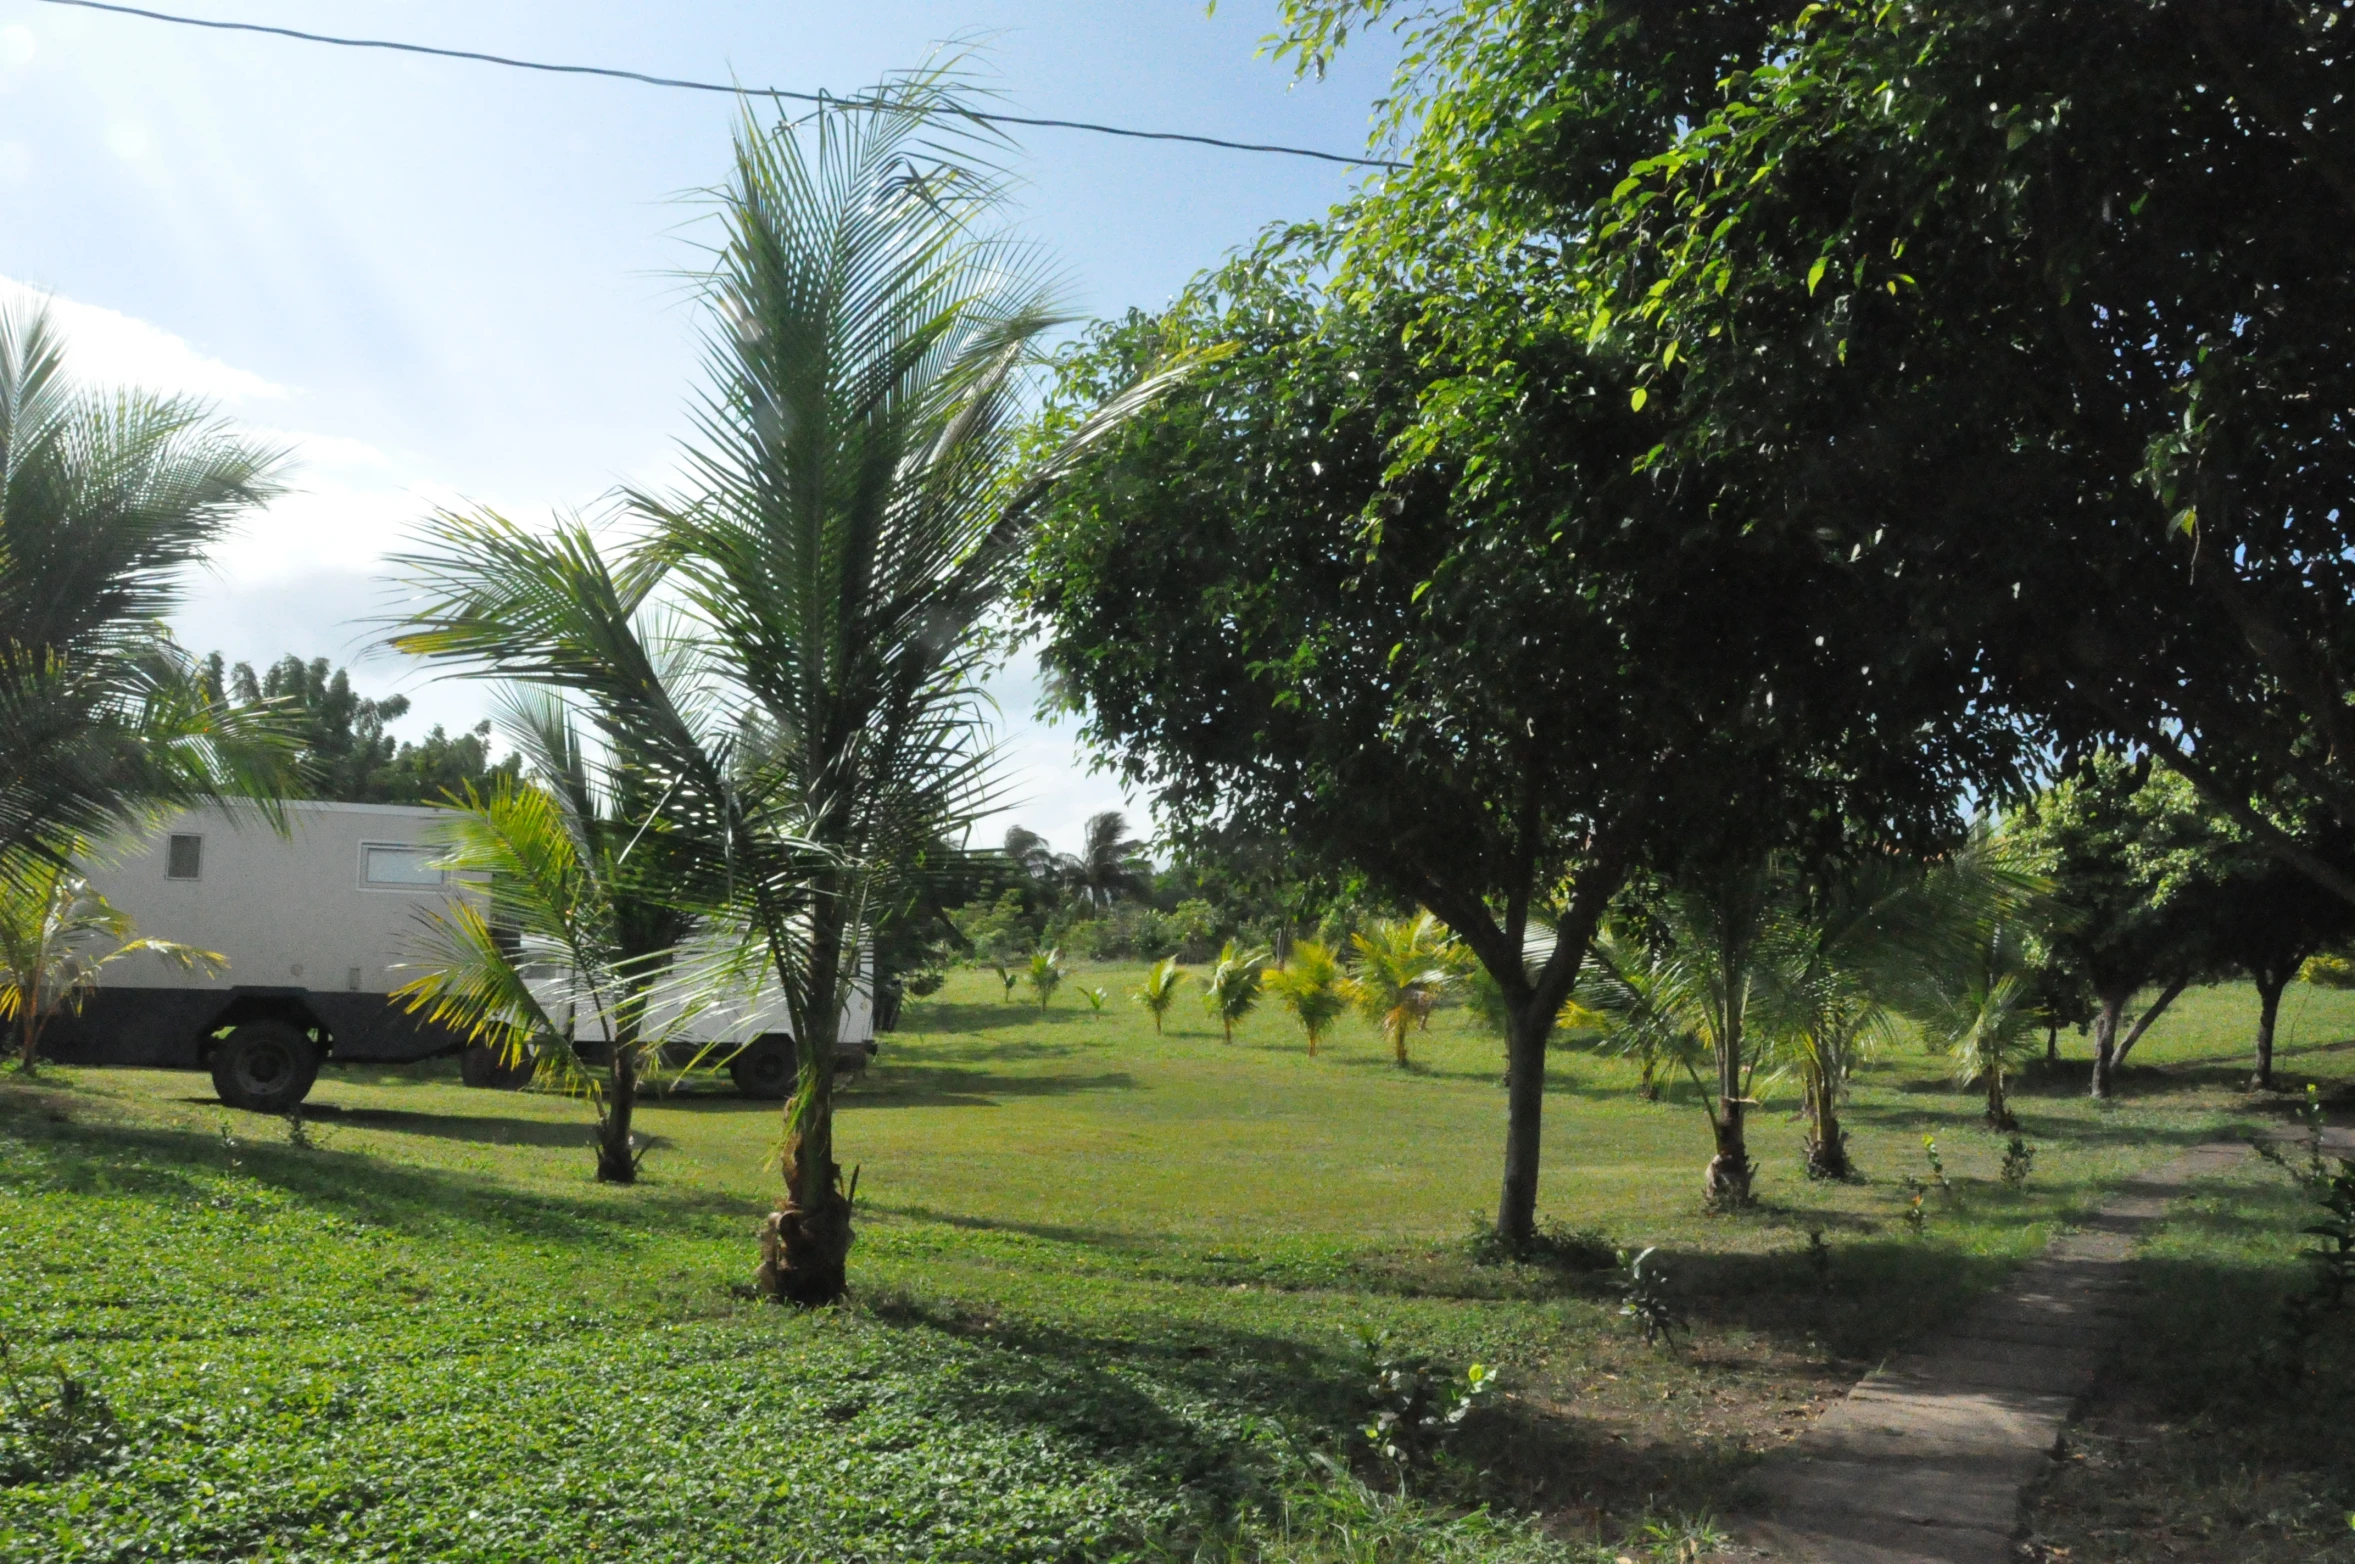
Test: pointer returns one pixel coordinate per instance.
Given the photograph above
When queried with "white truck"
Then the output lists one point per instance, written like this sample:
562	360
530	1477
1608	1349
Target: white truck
317	926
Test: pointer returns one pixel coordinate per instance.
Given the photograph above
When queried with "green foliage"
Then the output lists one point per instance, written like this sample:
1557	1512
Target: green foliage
1416	1404
52	1426
342	748
1310	985
1159	990
1399	972
1647	1299
1230	989
2019	1160
1044	974
107	497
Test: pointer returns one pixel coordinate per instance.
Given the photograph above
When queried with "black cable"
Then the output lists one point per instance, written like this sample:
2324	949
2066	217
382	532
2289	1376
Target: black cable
826	99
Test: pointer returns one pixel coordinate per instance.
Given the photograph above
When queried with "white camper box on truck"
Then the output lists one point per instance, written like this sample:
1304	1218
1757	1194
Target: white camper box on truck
316	926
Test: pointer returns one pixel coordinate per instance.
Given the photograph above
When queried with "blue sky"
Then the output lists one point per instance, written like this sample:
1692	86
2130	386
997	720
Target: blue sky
443	282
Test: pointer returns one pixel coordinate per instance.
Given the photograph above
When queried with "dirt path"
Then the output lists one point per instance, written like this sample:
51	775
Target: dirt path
1925	1460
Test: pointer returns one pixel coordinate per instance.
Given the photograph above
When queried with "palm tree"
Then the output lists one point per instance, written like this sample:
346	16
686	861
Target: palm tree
1986	1017
804	688
1045	974
57	934
1625	998
1401	972
1703	983
1159	990
581	927
1110	863
105	501
1230	989
1311	986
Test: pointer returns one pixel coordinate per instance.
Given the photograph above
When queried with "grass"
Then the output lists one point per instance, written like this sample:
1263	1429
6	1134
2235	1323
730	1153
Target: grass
1110	1295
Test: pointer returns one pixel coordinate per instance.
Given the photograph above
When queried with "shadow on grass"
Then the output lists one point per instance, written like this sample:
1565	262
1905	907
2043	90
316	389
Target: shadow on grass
917	1086
1092	1237
480	1131
101	1157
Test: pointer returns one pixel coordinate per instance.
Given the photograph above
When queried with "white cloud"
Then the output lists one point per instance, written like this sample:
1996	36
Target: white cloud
107	347
16	162
17	45
127	139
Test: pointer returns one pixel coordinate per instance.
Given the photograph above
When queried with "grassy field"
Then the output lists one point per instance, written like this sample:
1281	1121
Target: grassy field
1113	1293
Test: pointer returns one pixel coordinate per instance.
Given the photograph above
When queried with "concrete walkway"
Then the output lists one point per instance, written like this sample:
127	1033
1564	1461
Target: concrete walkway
1925	1460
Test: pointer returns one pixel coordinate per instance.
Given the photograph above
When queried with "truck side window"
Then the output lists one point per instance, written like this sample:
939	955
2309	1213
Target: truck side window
385	863
184	858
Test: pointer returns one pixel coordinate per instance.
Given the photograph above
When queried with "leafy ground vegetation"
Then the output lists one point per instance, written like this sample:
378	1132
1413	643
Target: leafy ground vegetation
1115	1297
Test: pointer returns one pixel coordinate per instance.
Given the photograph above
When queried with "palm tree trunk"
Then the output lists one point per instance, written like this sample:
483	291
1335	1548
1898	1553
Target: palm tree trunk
1727	1181
2052	1042
1999	1112
617	1147
1398	1031
1827	1143
1648	1087
28	1047
2269	987
805	1243
2105	1038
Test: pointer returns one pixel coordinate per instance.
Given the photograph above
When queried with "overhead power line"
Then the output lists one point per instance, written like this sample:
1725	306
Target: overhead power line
827	100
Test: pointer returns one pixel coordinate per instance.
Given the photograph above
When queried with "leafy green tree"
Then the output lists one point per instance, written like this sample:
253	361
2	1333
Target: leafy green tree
1399	972
57	935
1966	278
1310	985
342	747
1230	989
804	686
1159	990
2264	919
583	927
106	500
1494	679
2129	850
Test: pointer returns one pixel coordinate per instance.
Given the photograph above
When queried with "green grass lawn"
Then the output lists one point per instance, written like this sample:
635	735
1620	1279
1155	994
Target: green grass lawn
1110	1289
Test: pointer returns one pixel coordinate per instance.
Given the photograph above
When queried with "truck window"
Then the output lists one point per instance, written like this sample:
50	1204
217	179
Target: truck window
387	863
184	858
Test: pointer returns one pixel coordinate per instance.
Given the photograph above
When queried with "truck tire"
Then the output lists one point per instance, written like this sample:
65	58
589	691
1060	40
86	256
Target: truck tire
265	1066
765	1069
486	1068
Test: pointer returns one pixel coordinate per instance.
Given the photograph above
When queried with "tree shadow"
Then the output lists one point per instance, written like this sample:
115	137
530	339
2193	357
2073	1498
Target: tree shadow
1091	1237
483	1130
190	1164
915	1086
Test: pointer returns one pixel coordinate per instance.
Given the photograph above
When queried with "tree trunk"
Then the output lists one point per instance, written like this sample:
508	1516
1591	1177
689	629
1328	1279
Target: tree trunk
1726	1185
1526	1029
1398	1047
1648	1088
2142	1023
1999	1112
2052	1042
28	1047
805	1243
617	1148
2269	989
1827	1143
2105	1038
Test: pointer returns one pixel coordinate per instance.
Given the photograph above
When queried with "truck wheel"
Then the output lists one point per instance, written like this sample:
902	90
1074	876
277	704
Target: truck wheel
487	1068
265	1066
765	1069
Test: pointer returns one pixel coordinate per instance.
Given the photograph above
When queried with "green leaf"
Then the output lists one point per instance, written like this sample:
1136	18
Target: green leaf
1815	273
1638	399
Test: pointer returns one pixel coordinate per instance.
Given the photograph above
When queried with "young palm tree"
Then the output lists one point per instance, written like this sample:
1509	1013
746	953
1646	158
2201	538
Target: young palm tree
855	493
1624	1000
1159	990
57	935
581	932
105	501
1311	986
1402	971
1230	989
1045	974
1986	1018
